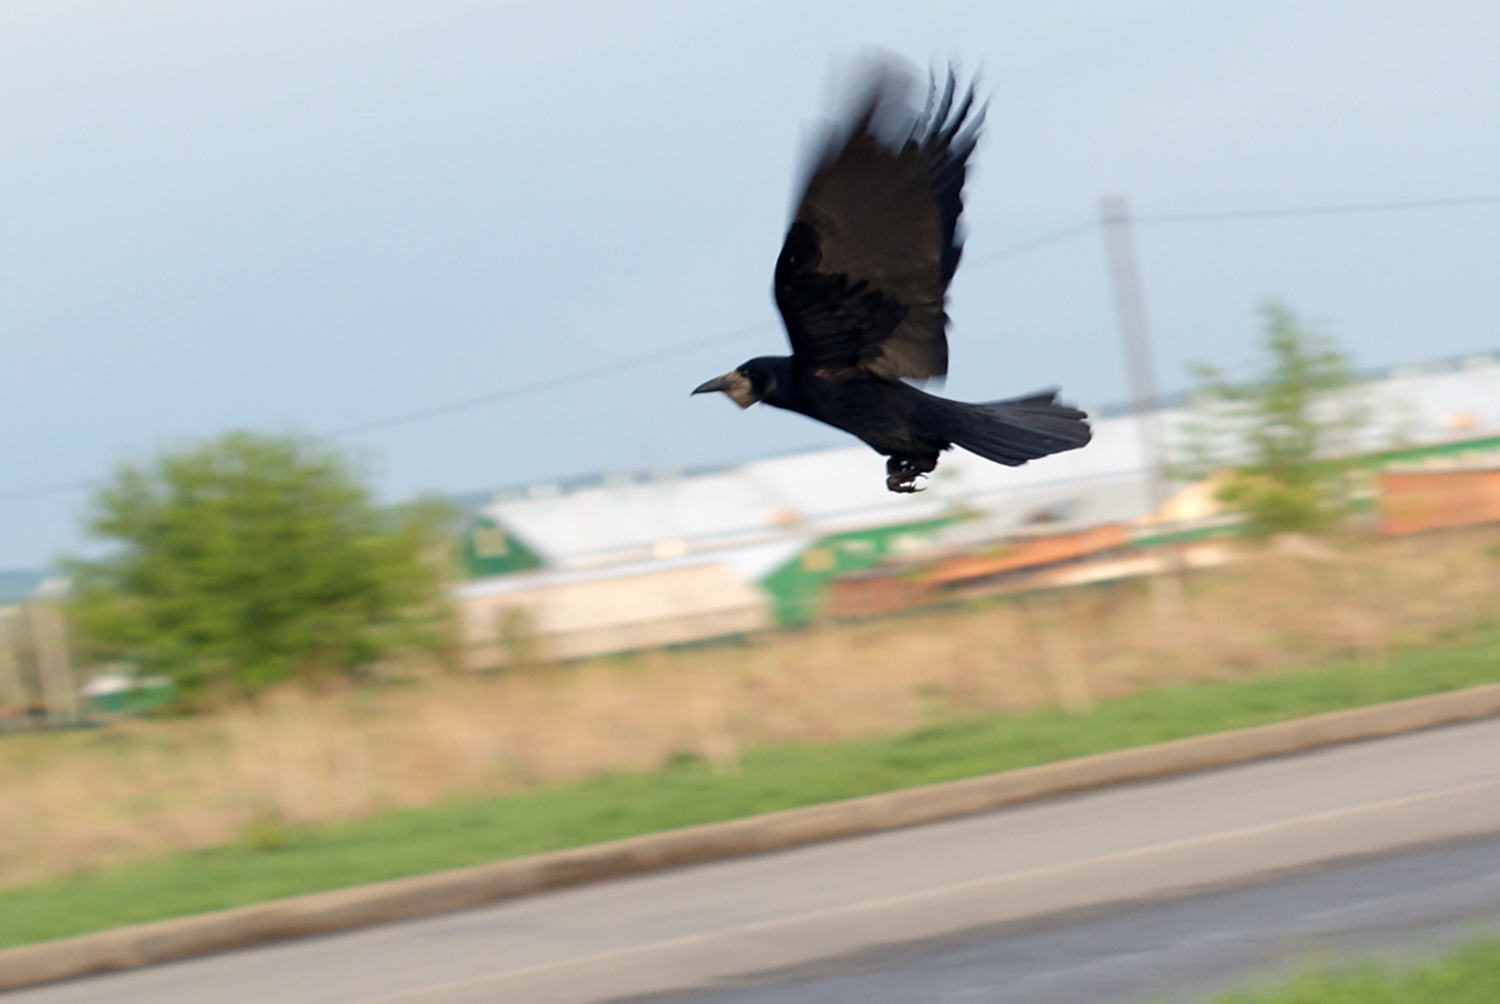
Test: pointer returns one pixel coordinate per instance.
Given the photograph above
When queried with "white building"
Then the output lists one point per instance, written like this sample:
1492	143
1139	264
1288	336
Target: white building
637	561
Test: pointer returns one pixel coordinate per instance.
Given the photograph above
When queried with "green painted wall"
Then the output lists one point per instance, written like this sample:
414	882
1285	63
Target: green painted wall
487	550
797	587
1407	454
1365	495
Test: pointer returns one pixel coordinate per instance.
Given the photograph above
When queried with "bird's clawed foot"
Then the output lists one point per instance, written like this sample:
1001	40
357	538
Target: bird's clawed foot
902	474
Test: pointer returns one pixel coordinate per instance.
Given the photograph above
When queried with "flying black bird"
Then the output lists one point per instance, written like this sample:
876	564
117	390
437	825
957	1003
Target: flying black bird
862	281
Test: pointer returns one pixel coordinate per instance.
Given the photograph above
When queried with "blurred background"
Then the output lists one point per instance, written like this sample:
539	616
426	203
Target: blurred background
352	465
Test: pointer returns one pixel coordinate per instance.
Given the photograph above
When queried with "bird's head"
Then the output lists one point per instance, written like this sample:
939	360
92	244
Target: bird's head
757	380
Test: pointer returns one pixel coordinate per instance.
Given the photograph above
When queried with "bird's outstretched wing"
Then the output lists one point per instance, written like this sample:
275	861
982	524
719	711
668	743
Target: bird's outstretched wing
863	274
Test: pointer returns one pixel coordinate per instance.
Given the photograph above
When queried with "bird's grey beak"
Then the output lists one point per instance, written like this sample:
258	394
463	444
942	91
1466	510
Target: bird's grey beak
735	384
717	383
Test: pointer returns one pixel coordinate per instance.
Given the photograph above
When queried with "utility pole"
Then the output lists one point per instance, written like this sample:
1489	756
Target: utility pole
1130	309
1145	401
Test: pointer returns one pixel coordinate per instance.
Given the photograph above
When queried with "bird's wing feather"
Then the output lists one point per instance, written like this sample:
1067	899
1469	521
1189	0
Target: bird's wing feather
864	271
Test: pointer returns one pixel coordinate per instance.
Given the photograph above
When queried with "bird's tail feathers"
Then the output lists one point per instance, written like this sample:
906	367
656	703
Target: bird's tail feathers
1016	430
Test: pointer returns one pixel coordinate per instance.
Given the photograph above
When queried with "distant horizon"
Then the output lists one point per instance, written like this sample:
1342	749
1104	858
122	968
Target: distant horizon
1168	401
470	500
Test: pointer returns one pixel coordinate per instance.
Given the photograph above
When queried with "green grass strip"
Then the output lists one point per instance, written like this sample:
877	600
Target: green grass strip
1470	975
288	862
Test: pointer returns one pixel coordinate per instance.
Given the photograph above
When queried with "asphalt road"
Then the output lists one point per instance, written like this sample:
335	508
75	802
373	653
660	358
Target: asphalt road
1410	906
1101	896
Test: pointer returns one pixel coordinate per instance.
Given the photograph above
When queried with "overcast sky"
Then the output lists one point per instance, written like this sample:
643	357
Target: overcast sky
311	216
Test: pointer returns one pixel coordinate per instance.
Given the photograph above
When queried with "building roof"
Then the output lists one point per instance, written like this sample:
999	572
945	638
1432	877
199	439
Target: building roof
628	519
749	564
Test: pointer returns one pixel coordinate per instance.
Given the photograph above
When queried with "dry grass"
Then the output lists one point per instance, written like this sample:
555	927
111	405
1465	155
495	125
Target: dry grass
141	788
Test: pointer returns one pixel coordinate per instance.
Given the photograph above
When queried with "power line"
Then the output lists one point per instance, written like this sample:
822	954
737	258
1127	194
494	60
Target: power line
552	383
1033	244
565	379
1333	210
17	494
509	394
1236	214
590	373
579	376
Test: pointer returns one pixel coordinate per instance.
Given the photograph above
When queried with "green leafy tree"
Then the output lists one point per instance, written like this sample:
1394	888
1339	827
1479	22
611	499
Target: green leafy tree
1285	430
251	559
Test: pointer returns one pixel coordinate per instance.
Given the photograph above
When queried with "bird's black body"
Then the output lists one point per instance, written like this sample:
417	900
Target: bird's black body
893	418
861	284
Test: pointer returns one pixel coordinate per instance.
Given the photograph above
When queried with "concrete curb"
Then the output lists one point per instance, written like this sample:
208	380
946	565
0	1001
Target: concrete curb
463	888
